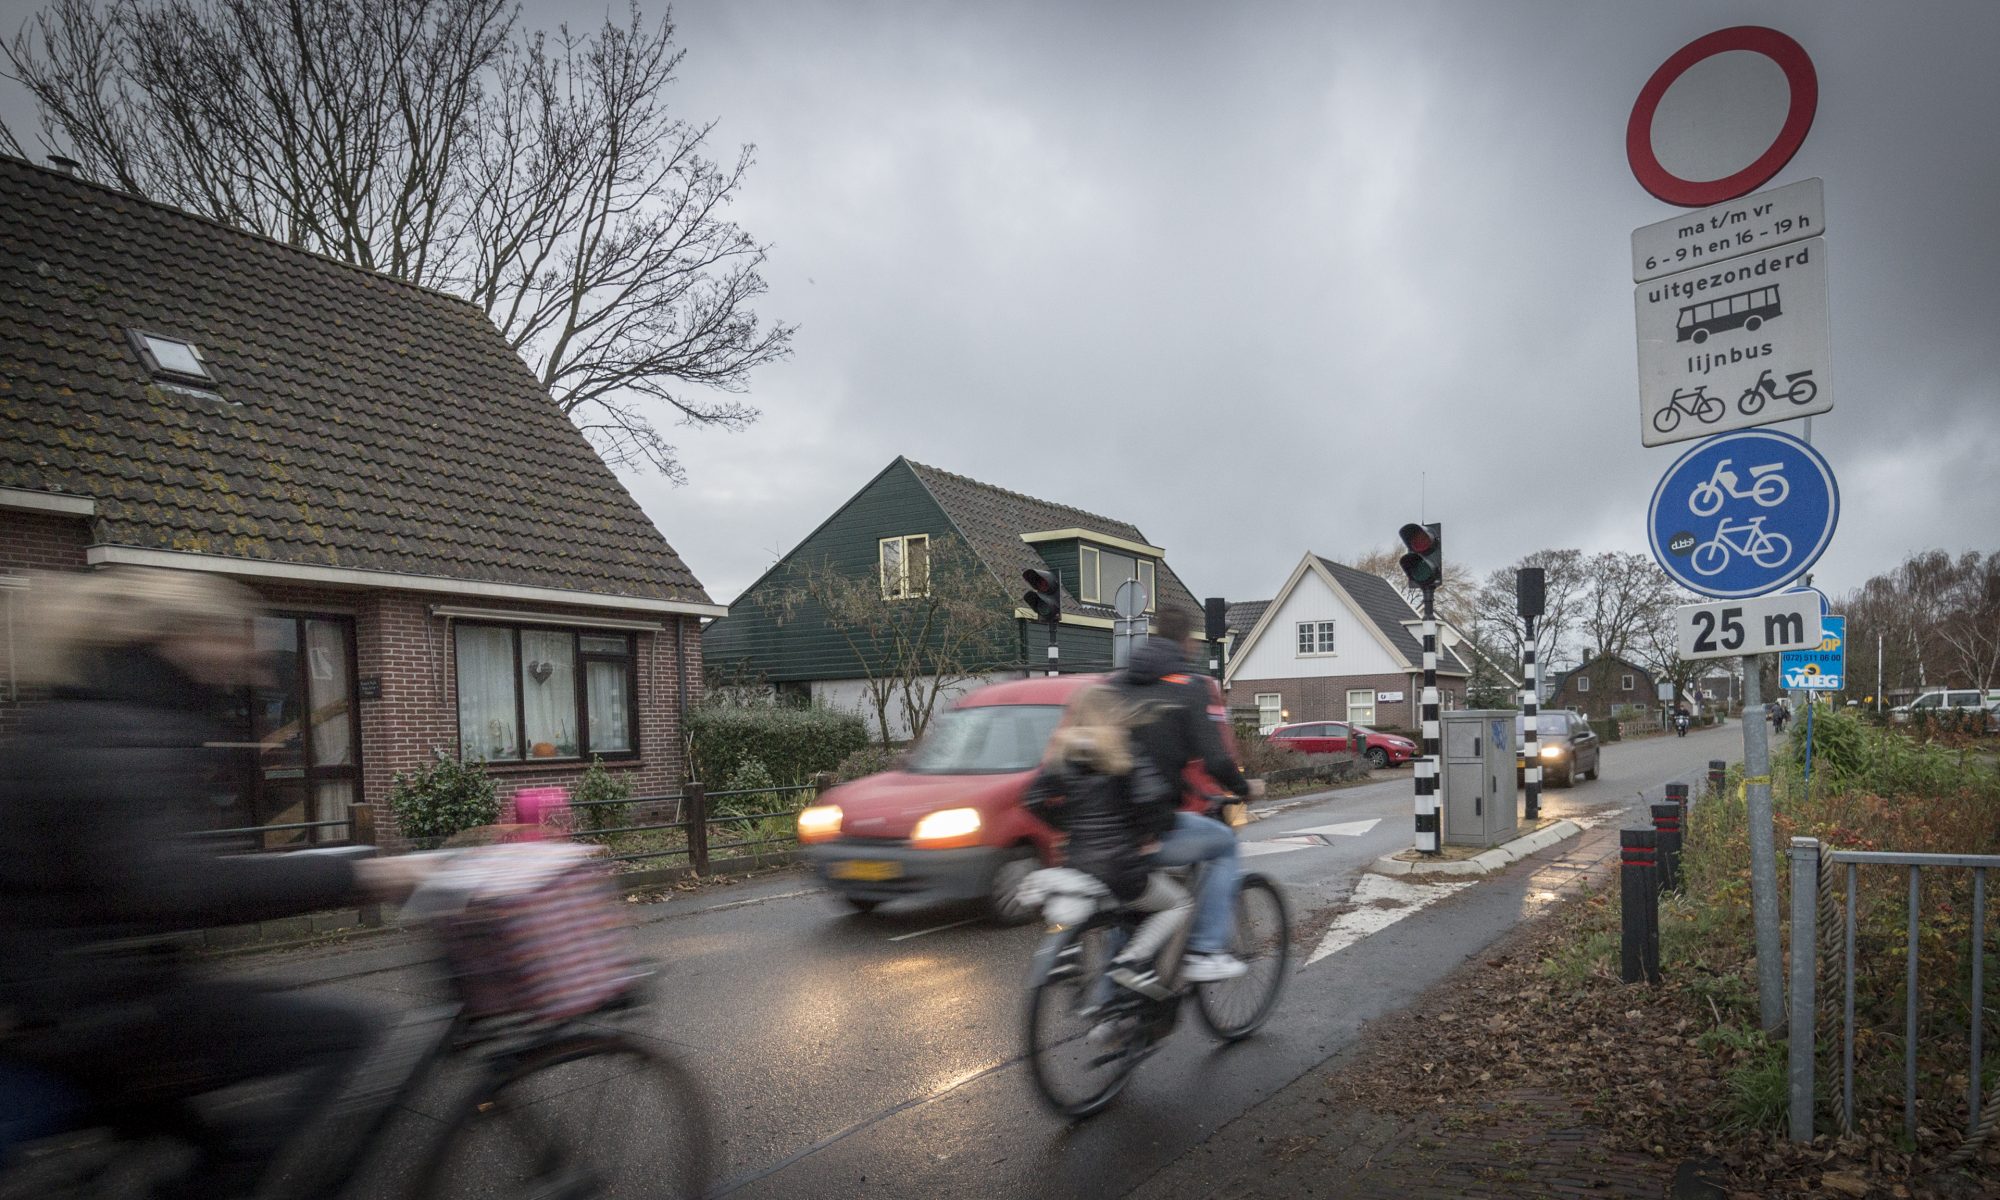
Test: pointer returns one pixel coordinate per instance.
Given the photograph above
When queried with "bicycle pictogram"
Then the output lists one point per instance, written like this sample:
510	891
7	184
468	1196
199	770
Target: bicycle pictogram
1769	550
1767	488
1800	391
1700	405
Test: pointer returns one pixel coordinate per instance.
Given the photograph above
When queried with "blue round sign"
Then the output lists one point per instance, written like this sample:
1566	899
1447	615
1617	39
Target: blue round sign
1742	513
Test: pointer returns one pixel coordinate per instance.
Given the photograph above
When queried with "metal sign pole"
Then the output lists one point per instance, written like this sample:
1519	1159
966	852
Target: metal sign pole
1763	848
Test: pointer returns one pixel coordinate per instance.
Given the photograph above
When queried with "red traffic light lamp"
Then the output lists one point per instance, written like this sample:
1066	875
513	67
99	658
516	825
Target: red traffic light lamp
1424	561
1043	597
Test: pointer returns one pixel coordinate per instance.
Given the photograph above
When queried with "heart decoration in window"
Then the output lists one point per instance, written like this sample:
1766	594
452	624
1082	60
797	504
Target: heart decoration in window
541	671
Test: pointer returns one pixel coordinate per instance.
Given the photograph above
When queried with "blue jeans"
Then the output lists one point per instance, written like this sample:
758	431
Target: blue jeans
1194	839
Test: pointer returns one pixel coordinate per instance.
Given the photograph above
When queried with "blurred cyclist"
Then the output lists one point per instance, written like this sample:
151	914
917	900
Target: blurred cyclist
99	790
1174	730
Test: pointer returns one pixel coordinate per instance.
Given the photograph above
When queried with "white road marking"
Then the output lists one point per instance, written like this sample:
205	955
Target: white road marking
1253	849
1351	927
904	937
1346	829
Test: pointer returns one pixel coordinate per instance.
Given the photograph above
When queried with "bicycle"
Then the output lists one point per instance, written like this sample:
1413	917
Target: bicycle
1801	391
1086	1034
1764	549
552	1108
1700	405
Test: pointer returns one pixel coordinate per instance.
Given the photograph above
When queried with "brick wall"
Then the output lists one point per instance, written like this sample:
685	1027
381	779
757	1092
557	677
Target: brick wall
1324	698
30	542
400	642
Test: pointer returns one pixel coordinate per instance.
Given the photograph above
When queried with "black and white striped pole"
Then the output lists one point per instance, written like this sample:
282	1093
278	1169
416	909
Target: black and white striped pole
1424	565
1529	588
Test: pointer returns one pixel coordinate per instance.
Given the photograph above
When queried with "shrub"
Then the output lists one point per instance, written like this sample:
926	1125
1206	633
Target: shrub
869	760
1607	728
443	797
1261	756
605	794
757	793
793	744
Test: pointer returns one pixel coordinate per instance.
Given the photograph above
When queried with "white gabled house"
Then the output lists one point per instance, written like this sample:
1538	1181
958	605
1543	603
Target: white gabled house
1337	644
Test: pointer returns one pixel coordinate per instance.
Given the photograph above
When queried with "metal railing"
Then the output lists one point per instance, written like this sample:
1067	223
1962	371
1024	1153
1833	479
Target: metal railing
358	824
693	820
1808	945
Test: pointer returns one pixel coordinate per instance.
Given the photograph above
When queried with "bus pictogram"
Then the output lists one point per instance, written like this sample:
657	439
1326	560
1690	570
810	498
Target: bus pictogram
1744	310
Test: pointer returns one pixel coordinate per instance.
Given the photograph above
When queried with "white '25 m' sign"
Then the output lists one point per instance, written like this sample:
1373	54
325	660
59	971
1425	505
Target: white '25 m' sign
1726	628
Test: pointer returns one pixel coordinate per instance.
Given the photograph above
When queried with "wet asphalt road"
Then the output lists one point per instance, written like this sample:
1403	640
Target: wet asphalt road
881	1054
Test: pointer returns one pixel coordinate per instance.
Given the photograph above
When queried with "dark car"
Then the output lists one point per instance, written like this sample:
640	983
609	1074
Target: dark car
1333	737
1570	747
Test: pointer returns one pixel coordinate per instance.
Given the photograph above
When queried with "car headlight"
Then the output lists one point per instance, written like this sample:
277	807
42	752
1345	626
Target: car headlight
820	823
948	828
1554	751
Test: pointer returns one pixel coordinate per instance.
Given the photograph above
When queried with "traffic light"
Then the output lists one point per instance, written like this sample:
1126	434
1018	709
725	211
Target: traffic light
1424	563
1531	590
1215	611
1043	597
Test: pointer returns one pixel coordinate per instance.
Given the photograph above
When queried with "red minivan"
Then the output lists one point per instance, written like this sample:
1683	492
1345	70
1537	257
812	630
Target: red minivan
948	824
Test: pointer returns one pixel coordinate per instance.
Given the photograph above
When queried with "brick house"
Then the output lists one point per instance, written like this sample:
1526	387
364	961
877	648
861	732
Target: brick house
1605	685
447	562
1335	644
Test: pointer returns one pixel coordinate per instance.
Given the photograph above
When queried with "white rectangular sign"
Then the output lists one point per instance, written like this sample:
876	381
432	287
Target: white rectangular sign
1726	628
1788	214
1734	344
1388	697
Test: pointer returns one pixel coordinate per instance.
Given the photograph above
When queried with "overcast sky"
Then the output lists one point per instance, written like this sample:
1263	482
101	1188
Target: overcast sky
1237	273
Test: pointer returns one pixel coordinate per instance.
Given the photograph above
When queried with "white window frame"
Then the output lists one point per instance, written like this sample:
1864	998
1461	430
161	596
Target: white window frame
1276	709
1625	683
1352	718
1583	683
11	586
899	588
1086	575
1149	578
1321	638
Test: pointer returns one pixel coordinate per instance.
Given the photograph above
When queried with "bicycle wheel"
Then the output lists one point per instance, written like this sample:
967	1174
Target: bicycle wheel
1667	418
1803	392
1751	402
1773	551
1709	409
1710	557
592	1115
1235	1008
1076	1074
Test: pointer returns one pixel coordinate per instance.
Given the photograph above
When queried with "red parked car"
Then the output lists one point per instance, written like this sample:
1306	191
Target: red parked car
948	823
1334	737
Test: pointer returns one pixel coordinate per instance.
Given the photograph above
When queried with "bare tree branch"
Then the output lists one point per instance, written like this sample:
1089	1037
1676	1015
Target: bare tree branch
544	179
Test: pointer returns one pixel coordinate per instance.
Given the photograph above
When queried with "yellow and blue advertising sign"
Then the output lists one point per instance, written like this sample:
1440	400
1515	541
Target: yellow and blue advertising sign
1824	669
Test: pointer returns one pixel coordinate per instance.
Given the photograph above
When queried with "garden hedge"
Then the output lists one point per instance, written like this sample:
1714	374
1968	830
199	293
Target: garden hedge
793	744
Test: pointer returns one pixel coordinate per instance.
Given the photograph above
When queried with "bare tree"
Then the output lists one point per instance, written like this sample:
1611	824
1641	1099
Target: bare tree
1495	618
1625	596
542	178
1937	618
910	649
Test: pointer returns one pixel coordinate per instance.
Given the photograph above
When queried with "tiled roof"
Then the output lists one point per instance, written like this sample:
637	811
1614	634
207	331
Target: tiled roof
1243	617
363	423
993	520
1382	604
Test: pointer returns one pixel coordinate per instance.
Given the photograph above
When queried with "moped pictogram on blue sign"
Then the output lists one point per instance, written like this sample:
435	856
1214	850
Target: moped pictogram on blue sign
1743	513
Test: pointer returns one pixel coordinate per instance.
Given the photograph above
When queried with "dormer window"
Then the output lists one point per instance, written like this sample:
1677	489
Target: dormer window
172	359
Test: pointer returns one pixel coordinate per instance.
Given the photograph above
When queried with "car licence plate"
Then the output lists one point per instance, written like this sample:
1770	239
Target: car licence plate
867	870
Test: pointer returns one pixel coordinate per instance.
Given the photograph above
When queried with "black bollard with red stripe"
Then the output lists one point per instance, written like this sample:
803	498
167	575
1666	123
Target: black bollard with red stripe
1667	836
1718	773
1639	902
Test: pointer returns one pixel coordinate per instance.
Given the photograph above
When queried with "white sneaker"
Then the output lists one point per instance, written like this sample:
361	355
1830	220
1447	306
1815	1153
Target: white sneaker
1211	968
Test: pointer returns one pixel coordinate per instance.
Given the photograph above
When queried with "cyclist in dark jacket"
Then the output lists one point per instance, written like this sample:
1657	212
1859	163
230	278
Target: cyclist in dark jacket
100	790
1172	728
1114	810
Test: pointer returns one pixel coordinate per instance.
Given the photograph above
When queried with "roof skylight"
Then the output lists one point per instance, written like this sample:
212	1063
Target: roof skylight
171	357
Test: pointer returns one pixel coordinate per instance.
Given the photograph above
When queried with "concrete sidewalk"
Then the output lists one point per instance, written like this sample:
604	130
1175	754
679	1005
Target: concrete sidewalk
1336	1132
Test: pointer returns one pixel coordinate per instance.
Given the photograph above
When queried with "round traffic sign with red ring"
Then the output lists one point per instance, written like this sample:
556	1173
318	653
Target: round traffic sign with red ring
1801	81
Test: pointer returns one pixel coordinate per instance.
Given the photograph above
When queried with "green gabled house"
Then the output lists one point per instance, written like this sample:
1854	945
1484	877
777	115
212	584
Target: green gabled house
886	531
